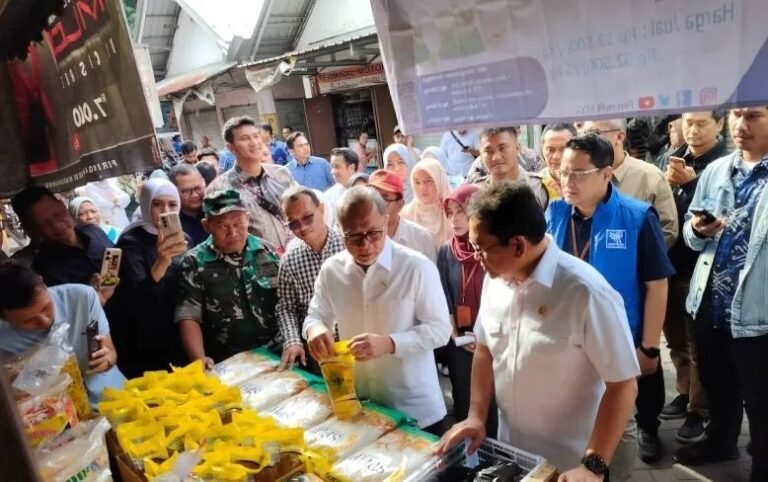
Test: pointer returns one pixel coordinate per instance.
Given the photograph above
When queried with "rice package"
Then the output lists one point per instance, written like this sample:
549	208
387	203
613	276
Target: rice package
305	410
79	454
243	366
392	457
269	389
336	439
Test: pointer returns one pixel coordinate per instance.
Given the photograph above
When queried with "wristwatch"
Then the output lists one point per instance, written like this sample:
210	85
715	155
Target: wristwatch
650	352
595	464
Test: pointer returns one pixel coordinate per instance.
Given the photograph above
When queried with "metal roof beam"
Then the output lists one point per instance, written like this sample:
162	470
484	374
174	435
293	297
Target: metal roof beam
338	63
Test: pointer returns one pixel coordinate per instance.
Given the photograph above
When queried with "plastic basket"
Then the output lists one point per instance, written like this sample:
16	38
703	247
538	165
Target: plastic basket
491	451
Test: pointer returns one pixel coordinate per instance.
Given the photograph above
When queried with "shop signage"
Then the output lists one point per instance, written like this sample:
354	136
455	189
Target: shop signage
76	106
489	63
348	78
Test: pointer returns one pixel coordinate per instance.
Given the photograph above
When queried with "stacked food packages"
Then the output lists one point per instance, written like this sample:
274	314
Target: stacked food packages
51	398
251	423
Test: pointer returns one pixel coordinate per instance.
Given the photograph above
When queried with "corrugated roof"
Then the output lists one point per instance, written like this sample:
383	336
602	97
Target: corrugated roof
160	22
320	49
188	80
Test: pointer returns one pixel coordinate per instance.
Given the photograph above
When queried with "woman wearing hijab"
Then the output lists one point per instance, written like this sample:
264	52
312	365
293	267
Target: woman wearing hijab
84	211
398	160
110	200
462	277
430	187
142	309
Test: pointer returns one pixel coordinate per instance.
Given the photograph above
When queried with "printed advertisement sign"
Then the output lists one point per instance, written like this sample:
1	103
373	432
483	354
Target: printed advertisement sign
475	63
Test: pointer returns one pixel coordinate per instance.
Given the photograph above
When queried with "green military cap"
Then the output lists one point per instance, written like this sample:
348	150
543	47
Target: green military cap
220	202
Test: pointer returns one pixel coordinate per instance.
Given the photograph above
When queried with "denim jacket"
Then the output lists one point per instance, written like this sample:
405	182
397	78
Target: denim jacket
715	193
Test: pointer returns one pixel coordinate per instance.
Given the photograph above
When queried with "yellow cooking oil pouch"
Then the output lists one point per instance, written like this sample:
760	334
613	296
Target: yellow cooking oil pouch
339	374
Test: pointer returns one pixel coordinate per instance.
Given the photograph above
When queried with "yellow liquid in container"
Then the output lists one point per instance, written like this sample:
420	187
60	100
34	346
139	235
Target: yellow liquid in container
339	374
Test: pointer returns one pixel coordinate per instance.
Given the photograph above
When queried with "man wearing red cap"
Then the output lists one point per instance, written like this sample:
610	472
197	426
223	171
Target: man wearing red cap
401	231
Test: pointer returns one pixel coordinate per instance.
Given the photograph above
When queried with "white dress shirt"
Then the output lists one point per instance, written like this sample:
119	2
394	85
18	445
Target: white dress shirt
331	198
411	235
400	295
555	339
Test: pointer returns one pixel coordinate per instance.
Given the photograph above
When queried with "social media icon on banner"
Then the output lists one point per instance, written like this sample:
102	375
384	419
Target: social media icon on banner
664	100
708	96
684	98
646	102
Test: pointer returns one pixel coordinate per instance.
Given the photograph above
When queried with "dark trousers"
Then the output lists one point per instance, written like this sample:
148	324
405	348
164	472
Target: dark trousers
460	371
734	373
650	400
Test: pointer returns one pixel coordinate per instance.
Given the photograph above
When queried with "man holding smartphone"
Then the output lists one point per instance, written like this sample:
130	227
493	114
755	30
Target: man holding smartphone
727	297
703	145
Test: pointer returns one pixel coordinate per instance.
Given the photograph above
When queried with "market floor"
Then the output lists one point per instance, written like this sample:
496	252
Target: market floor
666	470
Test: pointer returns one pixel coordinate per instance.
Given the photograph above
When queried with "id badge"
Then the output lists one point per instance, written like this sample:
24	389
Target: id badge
463	316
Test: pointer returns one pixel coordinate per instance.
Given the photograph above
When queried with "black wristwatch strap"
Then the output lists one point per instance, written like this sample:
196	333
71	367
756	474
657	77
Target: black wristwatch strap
595	464
650	352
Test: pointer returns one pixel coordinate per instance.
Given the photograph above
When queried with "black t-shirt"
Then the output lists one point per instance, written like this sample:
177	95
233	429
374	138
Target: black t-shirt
60	264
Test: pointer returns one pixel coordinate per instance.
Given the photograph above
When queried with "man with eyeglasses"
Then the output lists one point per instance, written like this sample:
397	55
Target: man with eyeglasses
315	242
401	231
228	286
638	179
621	237
191	186
553	343
386	300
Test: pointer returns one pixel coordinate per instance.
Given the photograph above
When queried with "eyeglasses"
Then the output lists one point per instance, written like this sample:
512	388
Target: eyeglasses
302	221
481	252
578	176
358	239
199	190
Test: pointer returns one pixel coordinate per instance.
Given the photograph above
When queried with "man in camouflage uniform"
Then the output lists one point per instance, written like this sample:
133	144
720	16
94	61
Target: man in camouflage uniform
228	287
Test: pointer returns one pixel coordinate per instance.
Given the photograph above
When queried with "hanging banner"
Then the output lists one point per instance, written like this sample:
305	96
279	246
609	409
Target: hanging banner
147	76
475	63
76	104
348	78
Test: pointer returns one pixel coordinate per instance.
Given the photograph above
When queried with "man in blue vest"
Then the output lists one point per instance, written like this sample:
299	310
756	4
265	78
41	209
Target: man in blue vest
622	238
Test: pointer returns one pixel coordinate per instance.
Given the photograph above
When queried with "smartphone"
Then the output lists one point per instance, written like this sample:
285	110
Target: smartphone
91	332
678	160
110	266
170	223
707	216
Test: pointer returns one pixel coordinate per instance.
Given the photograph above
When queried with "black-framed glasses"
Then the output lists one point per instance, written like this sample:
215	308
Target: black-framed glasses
357	239
199	190
480	252
296	224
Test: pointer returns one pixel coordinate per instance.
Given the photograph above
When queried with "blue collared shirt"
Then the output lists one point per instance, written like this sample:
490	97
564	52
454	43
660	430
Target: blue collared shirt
279	152
315	174
226	160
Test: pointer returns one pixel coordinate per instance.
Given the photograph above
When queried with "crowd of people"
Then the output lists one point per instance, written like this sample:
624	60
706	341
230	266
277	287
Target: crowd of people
540	283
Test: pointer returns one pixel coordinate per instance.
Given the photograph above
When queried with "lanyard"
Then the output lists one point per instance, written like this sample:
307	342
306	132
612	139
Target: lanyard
465	280
582	256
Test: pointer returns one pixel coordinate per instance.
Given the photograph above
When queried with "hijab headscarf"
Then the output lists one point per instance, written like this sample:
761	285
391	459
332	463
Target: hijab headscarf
430	216
465	255
76	204
435	153
402	151
151	190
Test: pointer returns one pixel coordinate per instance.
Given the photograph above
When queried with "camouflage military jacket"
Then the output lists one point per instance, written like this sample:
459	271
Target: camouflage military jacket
233	298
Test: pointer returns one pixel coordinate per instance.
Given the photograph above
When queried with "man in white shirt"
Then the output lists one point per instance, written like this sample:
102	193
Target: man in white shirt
344	164
401	231
552	339
386	299
461	148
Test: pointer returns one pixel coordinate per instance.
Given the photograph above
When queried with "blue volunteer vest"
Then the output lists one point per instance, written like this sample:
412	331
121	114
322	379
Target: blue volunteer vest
616	227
